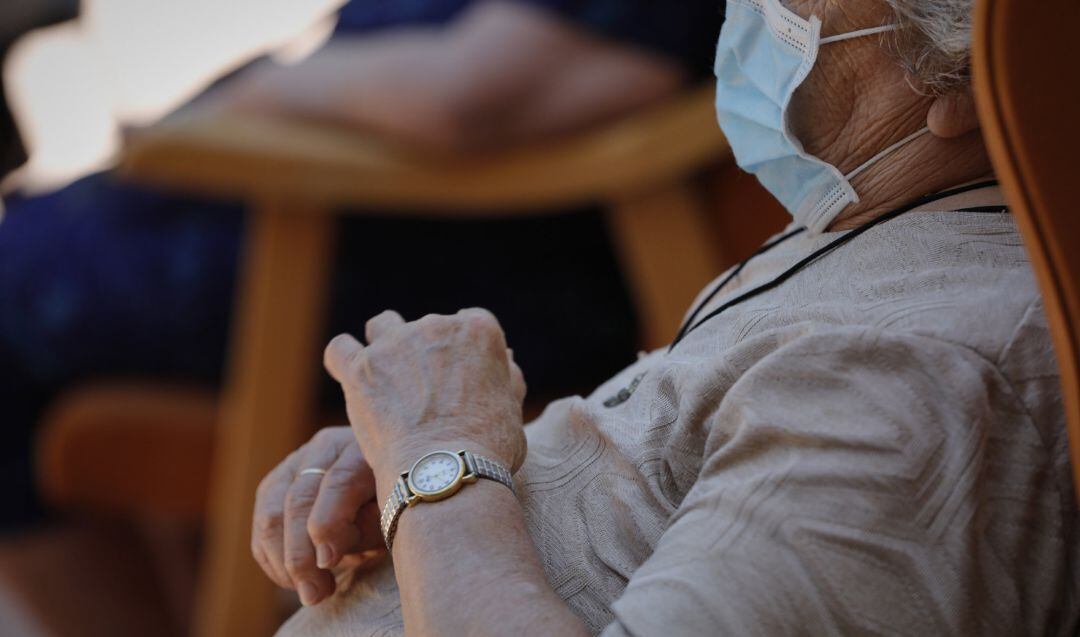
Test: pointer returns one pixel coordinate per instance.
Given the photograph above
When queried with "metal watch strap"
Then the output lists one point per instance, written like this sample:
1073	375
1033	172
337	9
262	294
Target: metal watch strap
484	468
392	510
401	496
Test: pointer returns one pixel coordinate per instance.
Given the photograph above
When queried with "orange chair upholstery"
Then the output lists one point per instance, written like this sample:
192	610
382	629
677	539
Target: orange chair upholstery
1028	93
131	449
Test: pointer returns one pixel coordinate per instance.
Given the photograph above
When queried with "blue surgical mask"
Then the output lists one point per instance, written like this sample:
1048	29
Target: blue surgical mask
766	52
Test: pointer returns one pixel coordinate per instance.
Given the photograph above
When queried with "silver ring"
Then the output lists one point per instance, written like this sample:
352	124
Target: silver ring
313	472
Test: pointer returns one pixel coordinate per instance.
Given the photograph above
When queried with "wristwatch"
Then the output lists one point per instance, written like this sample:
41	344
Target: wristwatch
437	476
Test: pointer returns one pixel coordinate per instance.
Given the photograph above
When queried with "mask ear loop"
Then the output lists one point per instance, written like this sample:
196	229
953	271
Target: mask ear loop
888	151
861	33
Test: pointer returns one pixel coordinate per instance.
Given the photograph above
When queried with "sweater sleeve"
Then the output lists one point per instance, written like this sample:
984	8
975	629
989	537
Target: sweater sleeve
862	483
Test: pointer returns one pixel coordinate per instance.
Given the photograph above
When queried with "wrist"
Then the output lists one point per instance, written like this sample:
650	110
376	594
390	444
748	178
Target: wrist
399	460
474	501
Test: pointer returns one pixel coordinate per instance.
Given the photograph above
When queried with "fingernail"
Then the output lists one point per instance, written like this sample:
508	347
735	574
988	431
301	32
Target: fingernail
324	556
309	593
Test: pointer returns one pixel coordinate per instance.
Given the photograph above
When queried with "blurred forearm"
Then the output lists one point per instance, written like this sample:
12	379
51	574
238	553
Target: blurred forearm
503	73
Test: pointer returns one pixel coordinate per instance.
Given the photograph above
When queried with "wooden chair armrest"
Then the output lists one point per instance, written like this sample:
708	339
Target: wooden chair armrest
245	156
1021	53
130	449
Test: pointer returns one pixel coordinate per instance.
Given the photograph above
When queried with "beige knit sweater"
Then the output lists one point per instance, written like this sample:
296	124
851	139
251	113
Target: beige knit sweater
875	447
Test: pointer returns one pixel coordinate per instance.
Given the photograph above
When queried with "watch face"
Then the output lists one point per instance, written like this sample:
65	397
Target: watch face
436	473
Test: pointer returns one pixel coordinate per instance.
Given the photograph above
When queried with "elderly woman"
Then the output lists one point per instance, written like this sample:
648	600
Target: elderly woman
858	431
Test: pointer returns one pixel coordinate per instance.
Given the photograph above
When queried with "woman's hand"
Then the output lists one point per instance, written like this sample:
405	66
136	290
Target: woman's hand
304	525
443	382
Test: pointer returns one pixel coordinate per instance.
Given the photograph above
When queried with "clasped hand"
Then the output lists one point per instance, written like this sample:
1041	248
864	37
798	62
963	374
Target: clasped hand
443	382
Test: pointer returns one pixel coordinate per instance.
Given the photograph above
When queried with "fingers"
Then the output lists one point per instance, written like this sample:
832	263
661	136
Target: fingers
517	378
484	323
312	583
333	522
488	331
342	354
263	562
382	324
267	532
297	511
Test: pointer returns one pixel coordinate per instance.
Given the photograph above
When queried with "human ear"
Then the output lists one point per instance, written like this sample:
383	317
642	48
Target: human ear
953	114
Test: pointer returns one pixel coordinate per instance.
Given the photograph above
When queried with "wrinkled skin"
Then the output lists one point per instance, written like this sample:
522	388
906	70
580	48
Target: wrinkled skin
441	382
431	384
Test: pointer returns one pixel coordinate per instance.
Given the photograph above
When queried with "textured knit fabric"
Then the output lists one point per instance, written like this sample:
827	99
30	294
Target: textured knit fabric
876	447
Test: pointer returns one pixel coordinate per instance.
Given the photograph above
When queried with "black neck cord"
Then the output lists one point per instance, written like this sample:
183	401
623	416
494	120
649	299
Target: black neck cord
734	273
690	325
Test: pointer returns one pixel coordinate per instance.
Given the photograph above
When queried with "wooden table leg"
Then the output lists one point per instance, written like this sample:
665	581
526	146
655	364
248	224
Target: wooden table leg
268	404
669	254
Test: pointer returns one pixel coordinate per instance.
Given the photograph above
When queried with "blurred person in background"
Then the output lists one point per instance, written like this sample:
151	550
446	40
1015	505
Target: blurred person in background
16	19
858	431
109	280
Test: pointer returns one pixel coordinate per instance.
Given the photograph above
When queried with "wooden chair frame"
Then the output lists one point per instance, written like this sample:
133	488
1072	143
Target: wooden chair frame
1020	83
297	176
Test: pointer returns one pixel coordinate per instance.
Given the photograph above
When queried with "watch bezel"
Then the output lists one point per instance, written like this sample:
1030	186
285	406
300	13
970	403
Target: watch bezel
434	496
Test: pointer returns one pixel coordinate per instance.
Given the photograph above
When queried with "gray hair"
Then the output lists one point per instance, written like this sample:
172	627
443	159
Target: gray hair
935	42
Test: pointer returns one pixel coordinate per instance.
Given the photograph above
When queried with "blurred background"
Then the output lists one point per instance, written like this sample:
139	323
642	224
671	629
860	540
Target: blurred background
197	195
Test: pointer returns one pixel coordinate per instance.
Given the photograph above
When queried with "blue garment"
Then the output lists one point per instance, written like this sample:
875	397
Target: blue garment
685	30
98	280
106	280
